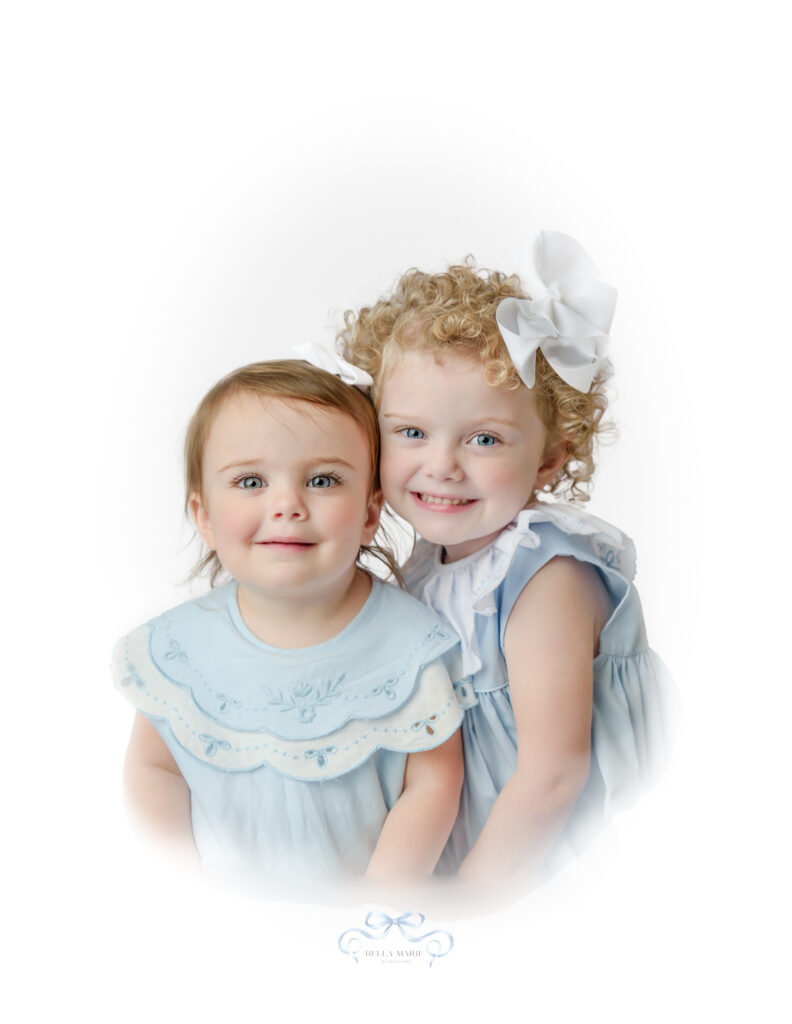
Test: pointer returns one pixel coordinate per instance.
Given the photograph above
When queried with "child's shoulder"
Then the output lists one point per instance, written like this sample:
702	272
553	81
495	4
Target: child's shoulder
576	533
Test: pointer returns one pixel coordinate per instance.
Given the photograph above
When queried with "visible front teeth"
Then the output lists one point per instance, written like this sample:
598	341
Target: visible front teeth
430	499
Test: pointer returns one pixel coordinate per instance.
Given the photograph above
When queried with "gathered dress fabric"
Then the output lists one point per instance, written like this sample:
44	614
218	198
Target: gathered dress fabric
293	758
634	698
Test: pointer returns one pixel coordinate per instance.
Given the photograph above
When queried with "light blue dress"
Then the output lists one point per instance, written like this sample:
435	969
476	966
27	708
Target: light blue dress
633	695
293	758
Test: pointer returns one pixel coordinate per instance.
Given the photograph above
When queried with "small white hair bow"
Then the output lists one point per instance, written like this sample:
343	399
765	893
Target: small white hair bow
568	317
328	359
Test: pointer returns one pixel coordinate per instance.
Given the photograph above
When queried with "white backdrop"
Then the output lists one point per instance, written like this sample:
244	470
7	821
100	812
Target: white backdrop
188	187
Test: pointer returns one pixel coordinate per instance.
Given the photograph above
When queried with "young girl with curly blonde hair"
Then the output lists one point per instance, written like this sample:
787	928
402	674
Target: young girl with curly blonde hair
490	393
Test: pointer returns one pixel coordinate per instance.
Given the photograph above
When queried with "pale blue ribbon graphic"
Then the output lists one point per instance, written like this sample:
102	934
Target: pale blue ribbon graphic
407	924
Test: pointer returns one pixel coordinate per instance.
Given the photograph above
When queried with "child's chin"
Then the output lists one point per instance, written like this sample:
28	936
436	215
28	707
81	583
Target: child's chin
449	539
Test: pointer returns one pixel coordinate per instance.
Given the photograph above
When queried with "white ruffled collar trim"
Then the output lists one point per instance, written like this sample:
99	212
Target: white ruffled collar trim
446	586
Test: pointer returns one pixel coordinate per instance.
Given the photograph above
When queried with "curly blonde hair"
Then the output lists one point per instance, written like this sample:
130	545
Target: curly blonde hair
290	380
455	312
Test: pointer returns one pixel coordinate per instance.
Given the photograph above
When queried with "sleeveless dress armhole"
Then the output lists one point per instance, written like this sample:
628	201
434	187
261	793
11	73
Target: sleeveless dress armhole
633	695
527	562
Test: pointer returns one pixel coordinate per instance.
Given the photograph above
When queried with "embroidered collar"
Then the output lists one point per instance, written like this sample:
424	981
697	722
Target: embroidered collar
235	678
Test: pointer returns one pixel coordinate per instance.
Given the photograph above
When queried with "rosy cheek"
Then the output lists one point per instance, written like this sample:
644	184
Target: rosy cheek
239	520
508	480
501	476
393	468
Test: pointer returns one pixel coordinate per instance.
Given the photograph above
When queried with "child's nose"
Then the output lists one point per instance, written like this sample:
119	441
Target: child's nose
287	503
443	463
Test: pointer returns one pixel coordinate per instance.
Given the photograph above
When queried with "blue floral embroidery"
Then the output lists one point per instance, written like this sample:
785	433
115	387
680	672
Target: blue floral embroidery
465	694
435	633
132	677
387	688
226	702
608	555
213	743
175	653
306	698
425	723
320	755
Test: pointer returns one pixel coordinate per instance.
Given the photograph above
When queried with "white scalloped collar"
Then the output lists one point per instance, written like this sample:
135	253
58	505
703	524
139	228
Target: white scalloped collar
366	671
458	590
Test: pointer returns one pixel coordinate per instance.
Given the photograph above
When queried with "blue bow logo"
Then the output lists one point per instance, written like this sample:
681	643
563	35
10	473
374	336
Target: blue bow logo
439	943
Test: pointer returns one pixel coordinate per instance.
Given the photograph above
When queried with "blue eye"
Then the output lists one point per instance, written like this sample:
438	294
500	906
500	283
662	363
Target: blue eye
249	482
413	433
484	440
323	480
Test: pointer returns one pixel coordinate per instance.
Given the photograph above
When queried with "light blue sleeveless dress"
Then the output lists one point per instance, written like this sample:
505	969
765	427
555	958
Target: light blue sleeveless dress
633	694
293	758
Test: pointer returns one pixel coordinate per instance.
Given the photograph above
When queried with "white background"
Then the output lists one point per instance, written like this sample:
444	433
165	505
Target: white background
188	187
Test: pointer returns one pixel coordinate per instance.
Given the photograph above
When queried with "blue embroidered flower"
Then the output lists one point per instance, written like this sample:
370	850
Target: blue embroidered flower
425	723
213	743
226	702
608	555
320	755
175	653
132	677
305	698
387	688
465	694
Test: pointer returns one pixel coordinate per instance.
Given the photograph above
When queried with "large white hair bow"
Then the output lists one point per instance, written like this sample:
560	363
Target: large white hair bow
568	317
327	359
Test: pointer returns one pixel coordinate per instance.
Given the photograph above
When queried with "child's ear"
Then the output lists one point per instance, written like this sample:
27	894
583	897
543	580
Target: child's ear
552	462
200	516
373	512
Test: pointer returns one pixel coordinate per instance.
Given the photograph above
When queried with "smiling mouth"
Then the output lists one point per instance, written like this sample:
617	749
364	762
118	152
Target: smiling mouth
285	542
435	499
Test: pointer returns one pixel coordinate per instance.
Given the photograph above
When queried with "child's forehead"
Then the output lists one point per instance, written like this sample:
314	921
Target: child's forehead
412	366
407	359
248	415
455	383
255	406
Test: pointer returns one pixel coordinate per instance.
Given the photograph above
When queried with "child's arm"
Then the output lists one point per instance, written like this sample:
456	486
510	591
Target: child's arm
421	820
155	788
549	643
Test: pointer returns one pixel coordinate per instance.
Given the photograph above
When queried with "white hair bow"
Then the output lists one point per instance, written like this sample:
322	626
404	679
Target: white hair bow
328	359
568	317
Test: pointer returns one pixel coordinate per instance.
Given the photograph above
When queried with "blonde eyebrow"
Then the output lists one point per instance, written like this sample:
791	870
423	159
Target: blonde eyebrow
477	423
320	460
497	419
